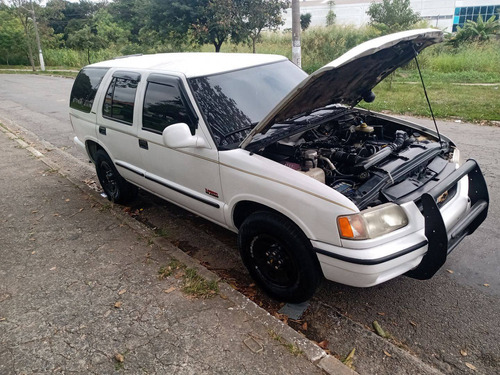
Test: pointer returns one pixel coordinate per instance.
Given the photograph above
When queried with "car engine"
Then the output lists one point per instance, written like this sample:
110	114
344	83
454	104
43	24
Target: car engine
367	159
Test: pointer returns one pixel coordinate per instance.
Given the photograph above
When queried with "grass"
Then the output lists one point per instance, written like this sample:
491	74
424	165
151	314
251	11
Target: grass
448	100
292	348
443	68
39	72
194	284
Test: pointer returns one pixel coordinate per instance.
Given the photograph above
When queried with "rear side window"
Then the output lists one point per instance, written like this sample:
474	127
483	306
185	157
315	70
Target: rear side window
85	87
163	106
119	102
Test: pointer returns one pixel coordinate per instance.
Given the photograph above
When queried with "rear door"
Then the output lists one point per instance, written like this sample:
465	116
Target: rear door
117	114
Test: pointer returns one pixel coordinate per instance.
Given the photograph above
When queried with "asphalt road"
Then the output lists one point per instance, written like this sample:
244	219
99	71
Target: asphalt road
438	321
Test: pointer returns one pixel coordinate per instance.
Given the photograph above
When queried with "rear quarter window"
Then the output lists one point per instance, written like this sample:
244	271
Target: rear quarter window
85	88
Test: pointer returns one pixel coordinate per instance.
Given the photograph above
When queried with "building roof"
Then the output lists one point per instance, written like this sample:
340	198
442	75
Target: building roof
192	64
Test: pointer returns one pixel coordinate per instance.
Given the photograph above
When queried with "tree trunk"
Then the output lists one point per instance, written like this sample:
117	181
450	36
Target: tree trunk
253	44
217	45
30	55
88	55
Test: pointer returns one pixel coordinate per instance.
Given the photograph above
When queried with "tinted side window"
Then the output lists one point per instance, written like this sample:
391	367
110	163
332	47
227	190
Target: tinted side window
85	87
119	101
163	106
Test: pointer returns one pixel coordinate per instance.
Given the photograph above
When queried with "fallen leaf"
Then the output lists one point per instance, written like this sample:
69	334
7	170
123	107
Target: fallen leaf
118	304
119	357
170	290
34	211
2	319
486	285
348	360
379	330
381	313
53	268
56	214
33	252
122	291
252	285
323	344
413	323
67	200
304	326
463	352
387	353
450	271
471	366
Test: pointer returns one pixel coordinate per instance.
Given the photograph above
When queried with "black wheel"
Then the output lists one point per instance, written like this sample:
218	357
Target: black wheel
279	257
115	186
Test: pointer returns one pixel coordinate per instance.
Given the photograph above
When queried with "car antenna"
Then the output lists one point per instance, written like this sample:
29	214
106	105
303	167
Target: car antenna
426	96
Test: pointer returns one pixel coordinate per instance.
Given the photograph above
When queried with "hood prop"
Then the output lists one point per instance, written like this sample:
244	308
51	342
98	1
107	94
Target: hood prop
426	96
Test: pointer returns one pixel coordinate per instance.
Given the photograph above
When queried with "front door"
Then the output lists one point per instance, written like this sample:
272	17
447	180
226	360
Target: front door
188	177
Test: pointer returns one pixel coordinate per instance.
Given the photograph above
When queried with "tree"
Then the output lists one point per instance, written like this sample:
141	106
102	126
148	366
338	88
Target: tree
392	15
331	16
305	20
86	39
476	31
11	34
23	12
216	22
172	19
257	15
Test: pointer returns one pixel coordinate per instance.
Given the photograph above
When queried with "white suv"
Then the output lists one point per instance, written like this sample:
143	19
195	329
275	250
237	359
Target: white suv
312	185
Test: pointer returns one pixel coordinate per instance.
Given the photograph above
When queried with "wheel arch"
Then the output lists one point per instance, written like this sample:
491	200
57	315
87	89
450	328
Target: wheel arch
245	208
92	148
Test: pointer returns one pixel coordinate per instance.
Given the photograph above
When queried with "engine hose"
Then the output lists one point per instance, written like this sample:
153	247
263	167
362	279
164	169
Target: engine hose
400	139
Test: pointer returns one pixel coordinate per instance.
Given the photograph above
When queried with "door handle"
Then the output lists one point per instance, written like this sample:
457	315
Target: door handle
102	130
143	144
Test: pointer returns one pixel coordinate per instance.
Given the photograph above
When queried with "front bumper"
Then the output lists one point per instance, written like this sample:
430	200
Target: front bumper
421	249
442	240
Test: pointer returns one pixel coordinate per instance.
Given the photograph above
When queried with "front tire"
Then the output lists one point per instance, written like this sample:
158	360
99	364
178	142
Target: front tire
117	189
279	257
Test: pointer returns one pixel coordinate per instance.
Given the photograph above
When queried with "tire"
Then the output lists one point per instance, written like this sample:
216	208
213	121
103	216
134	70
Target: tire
279	257
117	189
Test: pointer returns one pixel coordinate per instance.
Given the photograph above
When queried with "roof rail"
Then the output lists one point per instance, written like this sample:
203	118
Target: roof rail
125	56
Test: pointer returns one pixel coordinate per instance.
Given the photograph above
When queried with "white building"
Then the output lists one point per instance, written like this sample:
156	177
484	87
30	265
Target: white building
444	14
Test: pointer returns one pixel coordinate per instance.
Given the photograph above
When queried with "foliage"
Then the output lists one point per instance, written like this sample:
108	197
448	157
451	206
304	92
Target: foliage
392	15
330	16
305	20
86	39
256	15
476	31
216	22
11	36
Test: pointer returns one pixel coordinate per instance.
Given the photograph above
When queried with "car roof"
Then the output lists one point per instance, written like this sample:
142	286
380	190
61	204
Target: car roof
192	64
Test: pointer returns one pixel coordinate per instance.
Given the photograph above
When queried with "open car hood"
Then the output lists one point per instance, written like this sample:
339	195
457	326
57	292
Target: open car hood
349	78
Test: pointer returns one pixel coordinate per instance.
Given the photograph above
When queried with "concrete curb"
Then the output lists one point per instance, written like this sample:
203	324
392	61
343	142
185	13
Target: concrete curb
311	351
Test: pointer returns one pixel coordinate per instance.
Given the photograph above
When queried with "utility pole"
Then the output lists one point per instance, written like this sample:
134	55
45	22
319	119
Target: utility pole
296	52
42	63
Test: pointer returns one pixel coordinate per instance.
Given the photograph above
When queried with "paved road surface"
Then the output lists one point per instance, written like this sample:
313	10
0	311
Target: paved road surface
435	319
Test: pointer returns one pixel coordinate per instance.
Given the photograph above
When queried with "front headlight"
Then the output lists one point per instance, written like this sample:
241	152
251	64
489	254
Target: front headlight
457	157
373	222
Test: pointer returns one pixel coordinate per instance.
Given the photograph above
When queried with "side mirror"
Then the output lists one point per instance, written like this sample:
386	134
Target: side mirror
179	136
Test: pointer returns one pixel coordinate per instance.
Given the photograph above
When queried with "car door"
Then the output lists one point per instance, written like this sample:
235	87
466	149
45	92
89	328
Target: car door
117	114
187	176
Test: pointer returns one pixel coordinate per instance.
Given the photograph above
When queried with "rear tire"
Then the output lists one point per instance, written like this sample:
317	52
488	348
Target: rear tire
279	257
117	189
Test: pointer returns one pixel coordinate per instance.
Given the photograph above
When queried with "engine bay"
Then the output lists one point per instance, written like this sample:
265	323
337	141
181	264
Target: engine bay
368	159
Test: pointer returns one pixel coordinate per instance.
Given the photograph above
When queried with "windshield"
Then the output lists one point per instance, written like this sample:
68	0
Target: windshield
232	103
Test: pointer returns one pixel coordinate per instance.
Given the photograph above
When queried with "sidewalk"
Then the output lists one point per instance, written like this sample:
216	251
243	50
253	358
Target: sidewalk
80	292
